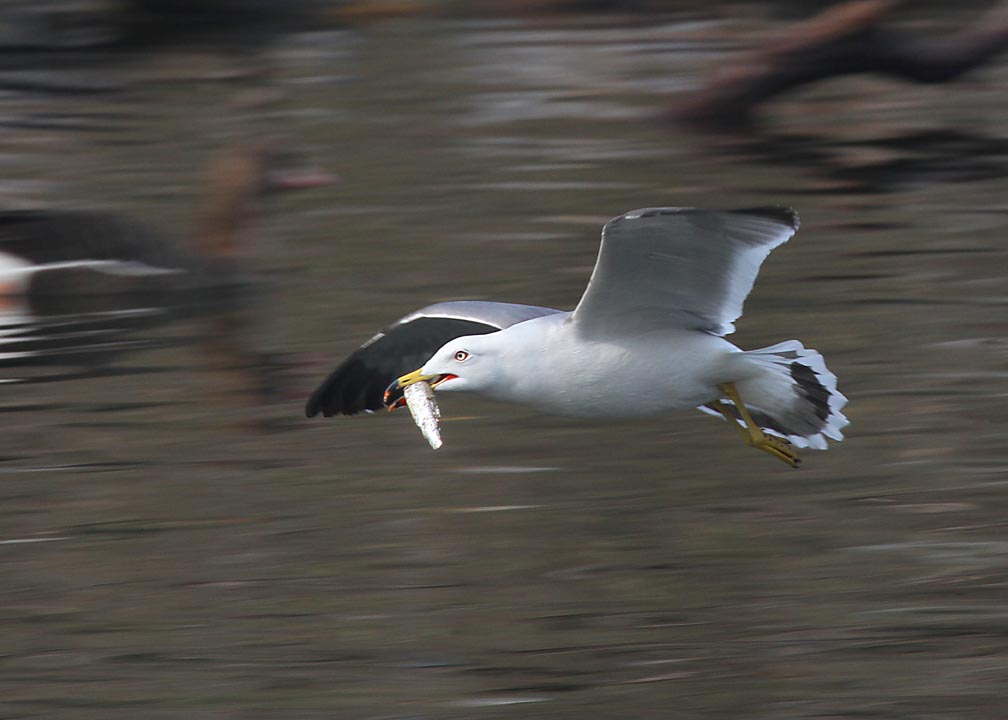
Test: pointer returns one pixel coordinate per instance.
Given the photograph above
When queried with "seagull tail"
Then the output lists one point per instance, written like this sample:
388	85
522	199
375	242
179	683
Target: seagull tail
791	393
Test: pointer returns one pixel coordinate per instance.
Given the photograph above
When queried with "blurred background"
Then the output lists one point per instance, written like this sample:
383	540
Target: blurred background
177	540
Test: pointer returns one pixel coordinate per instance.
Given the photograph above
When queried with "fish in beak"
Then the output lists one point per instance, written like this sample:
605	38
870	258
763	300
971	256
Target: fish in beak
394	397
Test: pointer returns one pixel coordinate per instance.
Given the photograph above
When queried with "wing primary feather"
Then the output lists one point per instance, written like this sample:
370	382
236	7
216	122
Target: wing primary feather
359	382
778	213
783	215
678	267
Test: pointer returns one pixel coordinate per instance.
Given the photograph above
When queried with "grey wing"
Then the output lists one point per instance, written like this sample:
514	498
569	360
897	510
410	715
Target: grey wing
358	383
679	267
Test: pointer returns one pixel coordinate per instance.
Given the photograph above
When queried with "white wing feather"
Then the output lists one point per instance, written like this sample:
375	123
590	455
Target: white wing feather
678	267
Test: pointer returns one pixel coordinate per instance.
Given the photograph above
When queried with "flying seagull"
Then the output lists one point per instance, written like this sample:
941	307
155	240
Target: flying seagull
647	336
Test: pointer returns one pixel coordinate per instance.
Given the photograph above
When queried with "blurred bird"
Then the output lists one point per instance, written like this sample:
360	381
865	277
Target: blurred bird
46	252
646	337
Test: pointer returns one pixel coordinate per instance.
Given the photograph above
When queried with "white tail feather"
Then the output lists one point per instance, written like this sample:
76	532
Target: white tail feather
791	393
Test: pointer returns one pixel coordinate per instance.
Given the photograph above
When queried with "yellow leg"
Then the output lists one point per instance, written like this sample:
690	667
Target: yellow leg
751	433
730	417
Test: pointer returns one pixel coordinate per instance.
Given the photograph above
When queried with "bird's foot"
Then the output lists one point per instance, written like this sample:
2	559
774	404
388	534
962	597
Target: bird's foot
778	447
751	432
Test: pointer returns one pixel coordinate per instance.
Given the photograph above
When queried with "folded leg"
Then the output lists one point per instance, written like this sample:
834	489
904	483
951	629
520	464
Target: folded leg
752	434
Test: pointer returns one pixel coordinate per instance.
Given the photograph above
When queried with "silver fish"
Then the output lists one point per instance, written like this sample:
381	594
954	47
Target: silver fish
425	411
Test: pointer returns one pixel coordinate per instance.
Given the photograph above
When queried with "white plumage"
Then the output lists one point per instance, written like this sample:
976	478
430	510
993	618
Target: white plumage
646	337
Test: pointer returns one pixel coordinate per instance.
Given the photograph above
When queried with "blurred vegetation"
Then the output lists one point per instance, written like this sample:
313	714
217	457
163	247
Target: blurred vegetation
54	24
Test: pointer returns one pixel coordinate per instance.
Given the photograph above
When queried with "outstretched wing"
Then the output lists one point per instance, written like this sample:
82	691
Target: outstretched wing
359	382
678	267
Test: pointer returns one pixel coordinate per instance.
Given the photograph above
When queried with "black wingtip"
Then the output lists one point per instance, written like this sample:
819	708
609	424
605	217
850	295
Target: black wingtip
358	383
778	213
317	401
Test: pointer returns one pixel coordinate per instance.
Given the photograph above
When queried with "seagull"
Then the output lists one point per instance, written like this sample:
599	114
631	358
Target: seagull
647	336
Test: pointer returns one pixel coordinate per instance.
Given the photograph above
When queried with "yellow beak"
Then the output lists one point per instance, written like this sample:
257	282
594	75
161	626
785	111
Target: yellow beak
393	397
413	378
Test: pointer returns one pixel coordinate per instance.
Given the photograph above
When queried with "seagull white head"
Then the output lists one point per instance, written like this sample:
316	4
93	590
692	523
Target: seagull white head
465	363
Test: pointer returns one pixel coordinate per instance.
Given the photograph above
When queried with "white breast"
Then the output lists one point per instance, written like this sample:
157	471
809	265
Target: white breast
544	364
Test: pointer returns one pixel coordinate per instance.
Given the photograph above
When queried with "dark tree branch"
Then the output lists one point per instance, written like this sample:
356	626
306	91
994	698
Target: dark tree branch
842	40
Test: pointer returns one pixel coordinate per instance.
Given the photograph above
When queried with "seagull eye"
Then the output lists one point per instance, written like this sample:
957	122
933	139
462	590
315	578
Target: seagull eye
461	355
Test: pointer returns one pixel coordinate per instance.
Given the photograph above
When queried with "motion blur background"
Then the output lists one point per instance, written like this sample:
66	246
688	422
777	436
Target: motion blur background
178	541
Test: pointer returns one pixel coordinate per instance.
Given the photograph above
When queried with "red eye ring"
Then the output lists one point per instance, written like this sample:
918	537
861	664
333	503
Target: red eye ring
461	355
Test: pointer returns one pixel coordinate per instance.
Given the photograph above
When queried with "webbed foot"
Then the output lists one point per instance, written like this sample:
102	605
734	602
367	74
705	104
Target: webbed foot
752	434
778	447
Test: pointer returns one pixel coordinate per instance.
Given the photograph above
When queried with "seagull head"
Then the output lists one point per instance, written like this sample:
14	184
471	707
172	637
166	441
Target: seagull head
465	363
